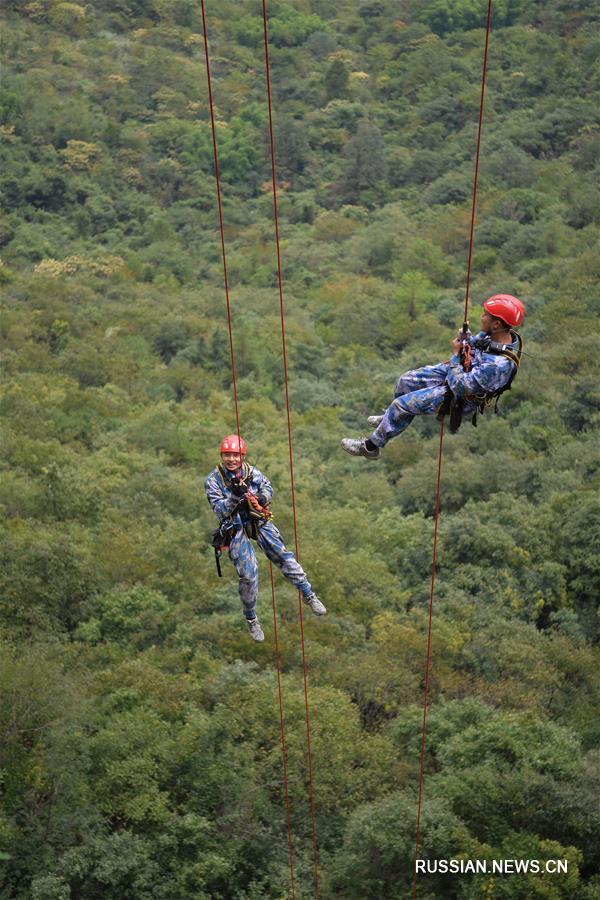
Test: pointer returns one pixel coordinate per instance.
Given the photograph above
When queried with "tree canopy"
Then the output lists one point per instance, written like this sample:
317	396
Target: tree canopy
139	733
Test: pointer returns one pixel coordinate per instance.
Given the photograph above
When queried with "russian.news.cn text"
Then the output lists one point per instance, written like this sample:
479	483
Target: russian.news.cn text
491	866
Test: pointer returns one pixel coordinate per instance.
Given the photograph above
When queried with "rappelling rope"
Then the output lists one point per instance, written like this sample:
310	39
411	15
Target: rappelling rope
237	417
291	456
288	810
222	231
476	175
440	455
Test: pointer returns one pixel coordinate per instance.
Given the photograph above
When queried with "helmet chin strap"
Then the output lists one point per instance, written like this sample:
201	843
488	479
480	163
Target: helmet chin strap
502	328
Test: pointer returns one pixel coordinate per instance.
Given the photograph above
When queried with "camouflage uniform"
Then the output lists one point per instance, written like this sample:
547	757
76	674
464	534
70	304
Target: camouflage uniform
421	391
241	552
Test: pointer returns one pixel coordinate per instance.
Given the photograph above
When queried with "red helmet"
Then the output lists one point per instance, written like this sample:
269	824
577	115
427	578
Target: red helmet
233	444
505	307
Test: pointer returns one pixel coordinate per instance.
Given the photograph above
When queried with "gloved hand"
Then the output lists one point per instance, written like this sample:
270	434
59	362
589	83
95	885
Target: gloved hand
255	503
239	488
460	339
253	500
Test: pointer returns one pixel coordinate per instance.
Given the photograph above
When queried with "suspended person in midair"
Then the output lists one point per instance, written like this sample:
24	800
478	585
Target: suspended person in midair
240	497
453	386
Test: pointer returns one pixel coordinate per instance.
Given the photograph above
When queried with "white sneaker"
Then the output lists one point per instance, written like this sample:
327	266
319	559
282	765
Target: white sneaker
315	604
374	421
256	632
357	447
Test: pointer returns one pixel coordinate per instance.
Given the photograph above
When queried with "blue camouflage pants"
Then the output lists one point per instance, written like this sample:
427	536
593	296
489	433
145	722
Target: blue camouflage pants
418	393
243	557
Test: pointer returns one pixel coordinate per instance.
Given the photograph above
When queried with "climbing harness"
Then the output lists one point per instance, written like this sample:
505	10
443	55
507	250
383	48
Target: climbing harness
484	401
221	537
454	406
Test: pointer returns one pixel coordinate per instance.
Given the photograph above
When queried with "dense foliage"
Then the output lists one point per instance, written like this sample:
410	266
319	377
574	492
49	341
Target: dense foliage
139	730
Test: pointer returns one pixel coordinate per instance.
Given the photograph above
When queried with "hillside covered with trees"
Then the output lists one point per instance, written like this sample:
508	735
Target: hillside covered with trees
139	726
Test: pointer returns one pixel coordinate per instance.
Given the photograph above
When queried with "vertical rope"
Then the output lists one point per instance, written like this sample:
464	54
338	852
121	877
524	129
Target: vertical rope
440	456
428	656
291	456
282	733
222	231
476	175
231	348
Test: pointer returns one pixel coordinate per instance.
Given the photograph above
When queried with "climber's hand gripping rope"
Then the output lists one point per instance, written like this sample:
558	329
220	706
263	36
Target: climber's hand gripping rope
464	346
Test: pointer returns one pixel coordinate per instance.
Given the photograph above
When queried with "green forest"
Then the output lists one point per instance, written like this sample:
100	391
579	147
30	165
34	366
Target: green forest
140	746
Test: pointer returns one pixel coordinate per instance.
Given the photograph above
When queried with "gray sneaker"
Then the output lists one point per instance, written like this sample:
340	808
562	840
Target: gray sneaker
356	447
256	632
374	421
315	604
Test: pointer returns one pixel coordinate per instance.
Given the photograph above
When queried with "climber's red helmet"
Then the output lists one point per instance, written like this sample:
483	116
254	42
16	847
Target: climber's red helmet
233	451
505	307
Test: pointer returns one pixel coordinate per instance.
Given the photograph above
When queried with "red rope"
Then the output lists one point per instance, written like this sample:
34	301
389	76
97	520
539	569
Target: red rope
282	733
476	175
439	473
291	457
428	656
220	205
277	654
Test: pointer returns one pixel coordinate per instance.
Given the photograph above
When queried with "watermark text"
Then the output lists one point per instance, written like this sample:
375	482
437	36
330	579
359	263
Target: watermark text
491	866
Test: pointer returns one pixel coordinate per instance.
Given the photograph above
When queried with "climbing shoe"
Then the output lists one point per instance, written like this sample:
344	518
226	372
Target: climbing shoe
357	447
315	604
256	632
374	421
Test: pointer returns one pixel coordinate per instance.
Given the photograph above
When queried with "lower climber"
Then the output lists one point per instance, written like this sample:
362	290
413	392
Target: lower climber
240	497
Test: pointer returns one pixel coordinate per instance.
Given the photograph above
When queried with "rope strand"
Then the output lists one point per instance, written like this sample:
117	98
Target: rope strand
232	352
439	472
428	656
476	175
282	733
221	228
291	457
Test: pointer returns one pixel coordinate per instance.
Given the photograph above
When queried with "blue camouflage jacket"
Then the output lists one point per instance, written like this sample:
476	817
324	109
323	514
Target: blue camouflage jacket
489	371
226	505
